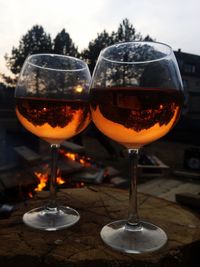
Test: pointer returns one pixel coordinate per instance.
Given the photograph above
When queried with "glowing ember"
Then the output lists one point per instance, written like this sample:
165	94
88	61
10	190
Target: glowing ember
59	178
83	160
43	176
43	179
30	194
70	155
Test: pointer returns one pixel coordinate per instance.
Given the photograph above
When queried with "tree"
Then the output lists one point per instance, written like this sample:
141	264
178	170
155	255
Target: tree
64	45
91	54
148	39
125	33
34	41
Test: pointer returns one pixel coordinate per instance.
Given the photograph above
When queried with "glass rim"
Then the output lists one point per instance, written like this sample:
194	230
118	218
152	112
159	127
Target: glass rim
170	52
27	61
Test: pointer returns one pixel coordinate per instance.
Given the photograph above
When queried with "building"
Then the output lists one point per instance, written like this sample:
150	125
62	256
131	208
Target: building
189	66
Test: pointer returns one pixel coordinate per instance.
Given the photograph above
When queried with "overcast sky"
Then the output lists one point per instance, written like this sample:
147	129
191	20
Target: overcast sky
175	22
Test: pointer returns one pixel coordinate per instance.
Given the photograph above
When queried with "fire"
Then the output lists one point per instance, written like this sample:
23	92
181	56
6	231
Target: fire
70	155
83	160
60	180
43	175
43	179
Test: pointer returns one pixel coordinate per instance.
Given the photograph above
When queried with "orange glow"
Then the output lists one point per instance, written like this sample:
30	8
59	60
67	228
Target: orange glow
57	134
76	157
44	176
129	137
82	161
79	89
30	194
60	180
70	156
43	179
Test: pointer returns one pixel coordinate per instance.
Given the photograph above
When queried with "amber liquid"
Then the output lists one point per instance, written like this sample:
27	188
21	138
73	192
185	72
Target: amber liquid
53	120
135	116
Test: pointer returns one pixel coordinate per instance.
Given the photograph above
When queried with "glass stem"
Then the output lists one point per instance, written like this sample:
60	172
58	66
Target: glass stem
133	218
53	177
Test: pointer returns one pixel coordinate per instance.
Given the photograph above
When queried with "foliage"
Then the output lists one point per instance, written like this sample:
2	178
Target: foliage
64	45
36	40
91	54
8	80
125	33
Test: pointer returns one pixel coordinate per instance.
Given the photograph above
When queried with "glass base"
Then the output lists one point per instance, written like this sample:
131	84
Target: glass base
51	219
142	238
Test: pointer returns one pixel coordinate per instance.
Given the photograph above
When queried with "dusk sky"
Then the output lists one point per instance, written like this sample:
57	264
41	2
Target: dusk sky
175	22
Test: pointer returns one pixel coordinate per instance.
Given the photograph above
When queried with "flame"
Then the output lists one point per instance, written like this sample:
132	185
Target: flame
69	155
43	176
59	178
43	179
83	160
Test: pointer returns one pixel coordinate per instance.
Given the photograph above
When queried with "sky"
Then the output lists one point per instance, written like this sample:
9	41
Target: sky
175	22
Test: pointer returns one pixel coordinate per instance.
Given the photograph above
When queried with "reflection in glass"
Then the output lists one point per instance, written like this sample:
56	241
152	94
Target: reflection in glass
136	97
52	103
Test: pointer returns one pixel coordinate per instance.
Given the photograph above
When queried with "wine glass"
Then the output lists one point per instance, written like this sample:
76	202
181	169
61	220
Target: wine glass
52	103
136	97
